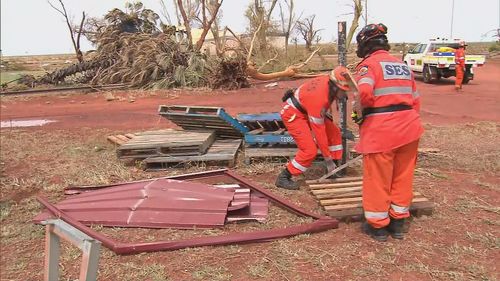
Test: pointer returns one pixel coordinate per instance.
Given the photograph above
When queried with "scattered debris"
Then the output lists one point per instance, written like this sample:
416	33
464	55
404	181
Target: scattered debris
158	203
109	96
271	85
320	224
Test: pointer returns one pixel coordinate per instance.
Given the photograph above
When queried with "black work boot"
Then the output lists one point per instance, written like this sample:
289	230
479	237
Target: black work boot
285	181
379	234
396	228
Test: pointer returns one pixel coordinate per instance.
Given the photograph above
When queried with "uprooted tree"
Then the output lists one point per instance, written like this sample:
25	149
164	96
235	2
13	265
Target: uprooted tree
134	48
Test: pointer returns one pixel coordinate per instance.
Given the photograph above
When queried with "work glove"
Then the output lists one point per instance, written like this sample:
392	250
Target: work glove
356	118
330	165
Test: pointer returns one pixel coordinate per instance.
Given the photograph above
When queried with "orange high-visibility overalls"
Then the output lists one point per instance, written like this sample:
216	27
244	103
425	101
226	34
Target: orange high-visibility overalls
389	136
459	67
313	98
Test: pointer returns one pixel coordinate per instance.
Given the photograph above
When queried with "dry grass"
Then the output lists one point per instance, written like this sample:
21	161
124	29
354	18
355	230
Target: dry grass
215	273
469	147
459	242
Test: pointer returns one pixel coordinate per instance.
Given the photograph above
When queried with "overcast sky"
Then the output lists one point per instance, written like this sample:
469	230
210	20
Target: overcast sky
31	27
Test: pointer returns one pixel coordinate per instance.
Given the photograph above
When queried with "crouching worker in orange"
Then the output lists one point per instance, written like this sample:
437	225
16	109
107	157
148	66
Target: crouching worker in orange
389	134
305	109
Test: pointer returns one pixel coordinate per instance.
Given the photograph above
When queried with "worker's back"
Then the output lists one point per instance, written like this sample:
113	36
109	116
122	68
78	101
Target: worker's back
393	85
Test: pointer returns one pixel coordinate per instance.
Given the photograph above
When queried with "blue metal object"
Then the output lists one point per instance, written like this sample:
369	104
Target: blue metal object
203	118
274	130
235	123
271	130
268	138
259	117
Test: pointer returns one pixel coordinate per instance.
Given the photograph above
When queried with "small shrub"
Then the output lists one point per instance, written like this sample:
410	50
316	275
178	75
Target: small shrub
495	47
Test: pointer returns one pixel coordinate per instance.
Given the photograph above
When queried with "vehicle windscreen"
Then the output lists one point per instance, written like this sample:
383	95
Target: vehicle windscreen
436	46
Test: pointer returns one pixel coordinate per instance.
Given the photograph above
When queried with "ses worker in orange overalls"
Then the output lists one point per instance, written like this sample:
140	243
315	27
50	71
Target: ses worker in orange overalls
459	65
305	109
389	133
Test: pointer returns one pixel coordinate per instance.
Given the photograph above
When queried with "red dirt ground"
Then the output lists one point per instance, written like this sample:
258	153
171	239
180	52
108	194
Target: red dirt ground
440	104
348	255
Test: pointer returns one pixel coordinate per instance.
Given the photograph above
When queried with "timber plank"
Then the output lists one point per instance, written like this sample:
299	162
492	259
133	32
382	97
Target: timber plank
221	150
336	190
336	185
337	180
115	140
166	143
338	201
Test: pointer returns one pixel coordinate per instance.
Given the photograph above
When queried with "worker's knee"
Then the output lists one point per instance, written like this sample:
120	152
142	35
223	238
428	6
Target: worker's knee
310	153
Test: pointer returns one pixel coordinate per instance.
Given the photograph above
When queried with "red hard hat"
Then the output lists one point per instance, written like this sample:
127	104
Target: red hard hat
337	76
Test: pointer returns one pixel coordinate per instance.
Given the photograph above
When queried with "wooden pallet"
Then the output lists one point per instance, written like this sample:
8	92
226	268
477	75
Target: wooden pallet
220	151
120	139
204	118
341	198
166	143
123	138
268	152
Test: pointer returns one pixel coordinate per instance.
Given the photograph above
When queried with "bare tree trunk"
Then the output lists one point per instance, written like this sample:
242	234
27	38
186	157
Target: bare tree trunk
187	25
358	9
207	23
79	54
287	27
307	31
76	42
263	16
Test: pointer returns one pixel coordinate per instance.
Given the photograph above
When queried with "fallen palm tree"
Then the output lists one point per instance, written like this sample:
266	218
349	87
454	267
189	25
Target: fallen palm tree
130	50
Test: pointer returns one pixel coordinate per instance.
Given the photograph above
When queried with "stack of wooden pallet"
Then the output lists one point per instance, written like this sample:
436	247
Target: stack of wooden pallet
158	149
341	198
166	143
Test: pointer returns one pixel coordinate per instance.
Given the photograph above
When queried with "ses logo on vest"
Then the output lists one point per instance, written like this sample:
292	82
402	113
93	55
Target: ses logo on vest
395	70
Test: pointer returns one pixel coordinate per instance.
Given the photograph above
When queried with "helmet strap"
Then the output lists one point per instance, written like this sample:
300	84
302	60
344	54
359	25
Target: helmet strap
333	90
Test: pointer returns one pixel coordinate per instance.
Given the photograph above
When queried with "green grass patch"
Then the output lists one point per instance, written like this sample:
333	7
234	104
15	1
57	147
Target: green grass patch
7	76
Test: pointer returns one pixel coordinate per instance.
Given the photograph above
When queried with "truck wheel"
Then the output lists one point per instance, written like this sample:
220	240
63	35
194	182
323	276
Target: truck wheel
426	73
467	76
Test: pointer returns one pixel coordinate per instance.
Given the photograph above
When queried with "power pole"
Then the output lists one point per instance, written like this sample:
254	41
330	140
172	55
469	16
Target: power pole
452	13
342	26
366	12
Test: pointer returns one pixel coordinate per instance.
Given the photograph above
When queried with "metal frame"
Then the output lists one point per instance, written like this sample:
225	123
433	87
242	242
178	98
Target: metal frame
321	223
56	229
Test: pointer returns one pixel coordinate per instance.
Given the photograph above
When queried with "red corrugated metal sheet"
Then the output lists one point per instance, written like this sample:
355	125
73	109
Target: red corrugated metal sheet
257	210
246	204
157	203
321	223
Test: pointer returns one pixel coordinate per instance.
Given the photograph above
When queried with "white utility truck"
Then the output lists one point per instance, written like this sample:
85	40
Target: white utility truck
436	59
